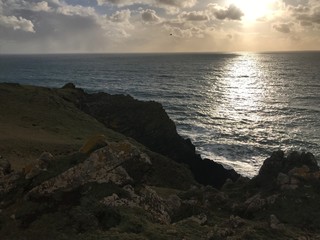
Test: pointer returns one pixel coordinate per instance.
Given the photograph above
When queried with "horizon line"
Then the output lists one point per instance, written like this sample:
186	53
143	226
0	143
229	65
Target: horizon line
147	53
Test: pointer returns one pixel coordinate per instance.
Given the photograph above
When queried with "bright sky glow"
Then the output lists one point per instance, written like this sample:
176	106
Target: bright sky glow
254	9
97	26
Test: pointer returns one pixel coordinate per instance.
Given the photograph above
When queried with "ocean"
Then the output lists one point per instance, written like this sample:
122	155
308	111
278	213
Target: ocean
236	108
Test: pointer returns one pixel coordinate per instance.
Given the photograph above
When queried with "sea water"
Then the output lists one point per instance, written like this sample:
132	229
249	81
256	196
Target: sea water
236	108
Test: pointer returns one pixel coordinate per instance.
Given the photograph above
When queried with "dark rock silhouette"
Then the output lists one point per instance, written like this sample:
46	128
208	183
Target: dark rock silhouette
149	124
280	168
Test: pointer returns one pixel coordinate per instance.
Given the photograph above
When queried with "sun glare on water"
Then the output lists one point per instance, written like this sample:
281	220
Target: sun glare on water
253	9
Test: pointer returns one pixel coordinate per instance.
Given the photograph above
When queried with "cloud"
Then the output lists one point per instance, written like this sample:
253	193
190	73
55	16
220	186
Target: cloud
172	6
311	16
41	6
119	3
17	23
121	16
230	13
177	3
195	16
133	25
79	10
283	27
295	2
150	16
31	5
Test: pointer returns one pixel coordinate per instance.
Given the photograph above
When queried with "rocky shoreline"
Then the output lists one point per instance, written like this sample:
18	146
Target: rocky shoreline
129	175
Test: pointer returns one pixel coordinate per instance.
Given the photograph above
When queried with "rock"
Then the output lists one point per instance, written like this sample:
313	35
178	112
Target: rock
69	86
201	219
255	203
155	205
221	233
105	165
272	199
46	157
279	163
9	182
236	222
275	223
148	200
5	166
33	172
116	201
173	203
283	179
40	166
148	123
286	182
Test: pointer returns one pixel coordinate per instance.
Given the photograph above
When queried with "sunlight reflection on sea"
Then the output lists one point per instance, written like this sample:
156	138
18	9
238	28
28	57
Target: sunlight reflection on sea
236	108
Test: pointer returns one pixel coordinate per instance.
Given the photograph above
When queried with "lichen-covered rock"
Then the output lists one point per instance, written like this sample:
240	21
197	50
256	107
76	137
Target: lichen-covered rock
146	199
153	203
41	165
103	166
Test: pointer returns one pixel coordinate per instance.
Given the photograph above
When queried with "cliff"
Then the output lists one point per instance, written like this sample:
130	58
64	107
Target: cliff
91	182
149	124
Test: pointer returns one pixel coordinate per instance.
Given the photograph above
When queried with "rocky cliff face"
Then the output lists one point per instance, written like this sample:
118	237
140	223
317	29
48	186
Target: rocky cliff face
149	124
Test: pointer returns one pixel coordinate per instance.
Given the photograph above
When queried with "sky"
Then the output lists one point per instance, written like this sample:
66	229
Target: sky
112	26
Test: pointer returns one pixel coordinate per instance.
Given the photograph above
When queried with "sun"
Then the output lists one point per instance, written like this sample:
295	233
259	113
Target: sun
253	9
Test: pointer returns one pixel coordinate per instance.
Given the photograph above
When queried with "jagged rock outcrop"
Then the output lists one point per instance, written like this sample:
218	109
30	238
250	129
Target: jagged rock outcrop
287	171
106	165
286	191
148	123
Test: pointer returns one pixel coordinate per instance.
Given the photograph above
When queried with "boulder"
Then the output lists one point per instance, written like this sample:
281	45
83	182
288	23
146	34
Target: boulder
105	165
281	170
